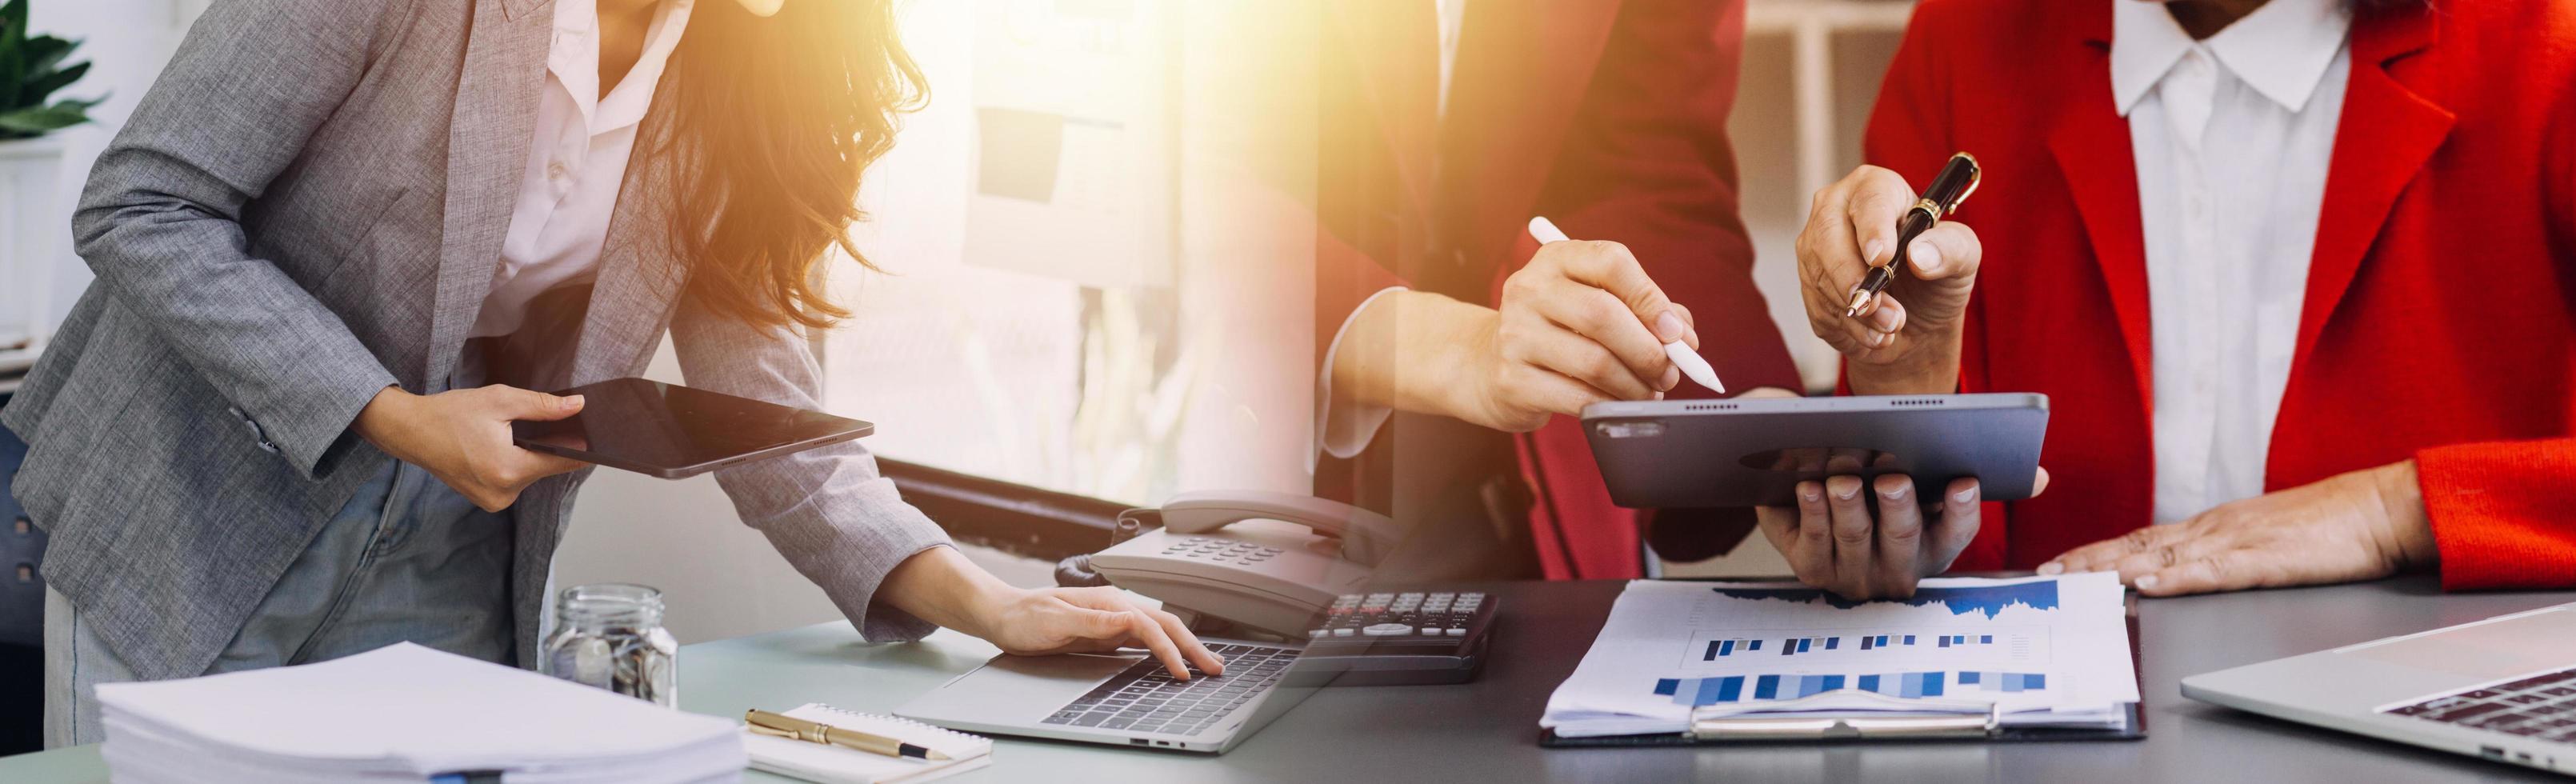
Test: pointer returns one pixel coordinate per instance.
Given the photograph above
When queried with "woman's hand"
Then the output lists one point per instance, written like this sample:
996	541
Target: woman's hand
1580	324
1906	340
463	438
940	586
1080	620
2357	526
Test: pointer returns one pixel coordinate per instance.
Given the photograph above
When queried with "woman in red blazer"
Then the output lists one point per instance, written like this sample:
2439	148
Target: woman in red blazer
2431	390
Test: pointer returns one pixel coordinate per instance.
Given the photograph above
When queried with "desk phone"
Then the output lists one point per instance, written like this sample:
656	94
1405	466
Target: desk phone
1299	568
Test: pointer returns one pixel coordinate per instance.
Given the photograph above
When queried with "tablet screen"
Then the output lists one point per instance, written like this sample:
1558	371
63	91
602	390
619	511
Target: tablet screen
671	430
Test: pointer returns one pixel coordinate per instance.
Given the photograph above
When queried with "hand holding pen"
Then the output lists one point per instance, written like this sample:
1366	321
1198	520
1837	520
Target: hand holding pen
1886	274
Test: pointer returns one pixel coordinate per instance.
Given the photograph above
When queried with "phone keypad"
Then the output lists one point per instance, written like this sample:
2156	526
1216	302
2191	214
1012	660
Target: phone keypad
1433	614
1223	551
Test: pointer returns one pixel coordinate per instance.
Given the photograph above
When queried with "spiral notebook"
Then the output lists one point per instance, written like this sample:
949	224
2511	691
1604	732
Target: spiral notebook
835	765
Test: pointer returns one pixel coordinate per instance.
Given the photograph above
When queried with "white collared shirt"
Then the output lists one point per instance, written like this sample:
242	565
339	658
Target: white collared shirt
2232	138
568	193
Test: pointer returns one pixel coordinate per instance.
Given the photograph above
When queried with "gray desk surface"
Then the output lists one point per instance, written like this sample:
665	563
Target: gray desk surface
1486	731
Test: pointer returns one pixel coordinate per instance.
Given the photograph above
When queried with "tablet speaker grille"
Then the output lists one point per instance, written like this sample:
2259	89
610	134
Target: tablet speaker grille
1918	402
1710	407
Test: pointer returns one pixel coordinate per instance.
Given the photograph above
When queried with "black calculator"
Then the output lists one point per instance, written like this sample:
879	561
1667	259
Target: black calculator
1385	639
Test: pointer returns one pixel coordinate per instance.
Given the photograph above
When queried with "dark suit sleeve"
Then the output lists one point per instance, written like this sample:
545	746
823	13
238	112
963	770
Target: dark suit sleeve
160	220
1647	163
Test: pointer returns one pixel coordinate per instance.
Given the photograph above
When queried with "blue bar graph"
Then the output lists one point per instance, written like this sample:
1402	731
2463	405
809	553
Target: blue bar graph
2004	681
1744	688
1792	646
1718	648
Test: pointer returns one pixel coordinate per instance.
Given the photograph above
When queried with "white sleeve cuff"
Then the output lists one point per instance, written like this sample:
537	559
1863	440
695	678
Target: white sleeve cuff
1342	431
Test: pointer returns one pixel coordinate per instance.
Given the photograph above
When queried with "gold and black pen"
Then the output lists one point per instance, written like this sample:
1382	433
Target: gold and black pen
1957	179
792	728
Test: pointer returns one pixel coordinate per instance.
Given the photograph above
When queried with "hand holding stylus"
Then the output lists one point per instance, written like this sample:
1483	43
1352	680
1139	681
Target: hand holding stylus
1581	323
1683	357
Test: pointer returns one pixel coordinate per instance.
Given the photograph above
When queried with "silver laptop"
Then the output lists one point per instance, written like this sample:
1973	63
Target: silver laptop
1125	700
2503	688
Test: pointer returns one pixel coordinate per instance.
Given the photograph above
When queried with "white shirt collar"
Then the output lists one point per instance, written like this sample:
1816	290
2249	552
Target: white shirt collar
2281	50
573	58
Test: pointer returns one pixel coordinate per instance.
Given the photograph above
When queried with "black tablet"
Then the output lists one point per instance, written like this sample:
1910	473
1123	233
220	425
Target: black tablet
672	431
1754	452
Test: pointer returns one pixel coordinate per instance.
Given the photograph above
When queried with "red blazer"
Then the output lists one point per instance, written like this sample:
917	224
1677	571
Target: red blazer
1609	118
2437	320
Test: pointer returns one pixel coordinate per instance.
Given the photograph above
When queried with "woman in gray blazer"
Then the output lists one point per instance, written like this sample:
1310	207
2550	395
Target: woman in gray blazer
340	241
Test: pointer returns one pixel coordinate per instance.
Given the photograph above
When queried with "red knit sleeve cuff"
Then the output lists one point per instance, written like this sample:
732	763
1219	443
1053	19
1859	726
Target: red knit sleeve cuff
2500	513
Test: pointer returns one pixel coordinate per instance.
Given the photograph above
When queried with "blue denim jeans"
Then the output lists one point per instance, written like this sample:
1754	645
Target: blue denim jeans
406	559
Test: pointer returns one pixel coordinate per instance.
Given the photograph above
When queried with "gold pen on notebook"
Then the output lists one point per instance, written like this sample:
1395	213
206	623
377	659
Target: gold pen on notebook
792	728
1957	179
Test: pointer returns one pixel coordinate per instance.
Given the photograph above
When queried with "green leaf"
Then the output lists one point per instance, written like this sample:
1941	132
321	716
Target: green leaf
12	66
41	53
44	84
47	83
13	23
37	120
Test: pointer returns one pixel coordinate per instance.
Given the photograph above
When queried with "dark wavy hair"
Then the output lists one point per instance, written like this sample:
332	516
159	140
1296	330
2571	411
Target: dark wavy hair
773	121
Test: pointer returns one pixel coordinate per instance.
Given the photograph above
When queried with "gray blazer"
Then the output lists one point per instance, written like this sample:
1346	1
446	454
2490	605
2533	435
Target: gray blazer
308	207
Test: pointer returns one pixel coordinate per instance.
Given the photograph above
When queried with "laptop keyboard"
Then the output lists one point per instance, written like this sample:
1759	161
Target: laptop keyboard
1145	699
2541	707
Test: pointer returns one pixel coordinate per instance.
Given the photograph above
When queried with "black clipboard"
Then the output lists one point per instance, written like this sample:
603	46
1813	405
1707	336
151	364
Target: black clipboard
2135	728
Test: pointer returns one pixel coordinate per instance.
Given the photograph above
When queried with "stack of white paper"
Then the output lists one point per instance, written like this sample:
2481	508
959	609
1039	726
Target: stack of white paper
2047	651
404	713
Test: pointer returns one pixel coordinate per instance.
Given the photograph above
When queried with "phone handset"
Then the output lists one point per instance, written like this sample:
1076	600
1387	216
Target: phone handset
1264	560
1366	536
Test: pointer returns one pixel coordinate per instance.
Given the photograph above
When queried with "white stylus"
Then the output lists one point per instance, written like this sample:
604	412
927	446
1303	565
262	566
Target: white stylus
1683	357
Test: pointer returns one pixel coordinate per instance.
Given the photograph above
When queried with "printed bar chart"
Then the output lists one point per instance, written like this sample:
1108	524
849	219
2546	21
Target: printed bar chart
1988	600
1743	688
1716	648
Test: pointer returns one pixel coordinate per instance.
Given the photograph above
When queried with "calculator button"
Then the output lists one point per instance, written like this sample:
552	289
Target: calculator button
1387	630
1457	632
1345	632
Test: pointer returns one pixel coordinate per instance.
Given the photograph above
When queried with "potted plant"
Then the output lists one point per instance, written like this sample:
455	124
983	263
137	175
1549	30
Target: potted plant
32	69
